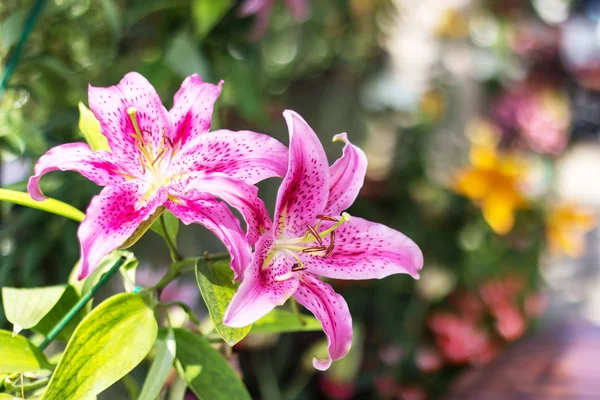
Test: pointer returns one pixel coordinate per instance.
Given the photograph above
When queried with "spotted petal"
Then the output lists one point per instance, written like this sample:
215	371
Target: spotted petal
332	310
304	190
248	156
217	218
112	217
366	250
241	196
263	287
347	177
192	108
96	166
110	106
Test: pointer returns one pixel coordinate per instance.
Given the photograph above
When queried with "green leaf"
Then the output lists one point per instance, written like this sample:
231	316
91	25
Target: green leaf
144	226
206	372
161	366
4	396
107	344
113	17
19	355
25	308
215	281
60	309
184	58
207	14
49	205
90	128
279	320
172	224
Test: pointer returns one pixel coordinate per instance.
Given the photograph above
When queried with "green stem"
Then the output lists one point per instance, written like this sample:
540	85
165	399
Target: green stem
81	303
175	256
178	268
10	386
34	14
188	310
296	310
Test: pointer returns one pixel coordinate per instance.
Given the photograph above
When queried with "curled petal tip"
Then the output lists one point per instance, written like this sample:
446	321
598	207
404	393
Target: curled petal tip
320	364
341	137
34	189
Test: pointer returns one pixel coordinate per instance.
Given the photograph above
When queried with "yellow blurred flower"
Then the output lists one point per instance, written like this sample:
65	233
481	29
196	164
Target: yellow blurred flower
566	226
494	180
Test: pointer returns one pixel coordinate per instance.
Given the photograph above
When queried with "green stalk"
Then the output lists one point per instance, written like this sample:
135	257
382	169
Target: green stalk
81	303
175	256
34	14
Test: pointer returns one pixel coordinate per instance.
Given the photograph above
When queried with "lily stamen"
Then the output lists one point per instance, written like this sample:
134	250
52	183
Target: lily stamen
331	245
298	267
315	234
314	249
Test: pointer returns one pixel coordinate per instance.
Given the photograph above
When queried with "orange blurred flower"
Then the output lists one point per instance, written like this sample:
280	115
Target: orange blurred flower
566	226
493	181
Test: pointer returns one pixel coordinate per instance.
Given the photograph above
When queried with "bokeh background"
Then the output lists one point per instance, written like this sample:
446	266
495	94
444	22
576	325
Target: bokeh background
480	120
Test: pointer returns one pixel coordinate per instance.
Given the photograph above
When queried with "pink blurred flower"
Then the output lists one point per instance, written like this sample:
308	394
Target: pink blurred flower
459	341
406	392
262	10
335	389
540	115
428	360
510	323
385	385
535	304
391	354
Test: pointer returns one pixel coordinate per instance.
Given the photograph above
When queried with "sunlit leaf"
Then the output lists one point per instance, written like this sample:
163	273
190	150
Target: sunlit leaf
205	370
161	366
85	285
109	342
90	128
207	14
215	281
49	205
279	320
60	309
25	308
20	355
184	58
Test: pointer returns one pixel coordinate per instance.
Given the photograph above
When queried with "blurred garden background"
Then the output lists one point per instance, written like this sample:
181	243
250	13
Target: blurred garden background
480	120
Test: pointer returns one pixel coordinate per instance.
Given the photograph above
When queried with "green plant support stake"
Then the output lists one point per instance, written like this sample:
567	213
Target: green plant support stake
81	303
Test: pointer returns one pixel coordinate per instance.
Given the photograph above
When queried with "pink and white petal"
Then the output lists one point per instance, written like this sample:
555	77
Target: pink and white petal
96	166
299	9
304	190
239	195
347	177
332	310
192	110
264	286
366	250
244	155
217	218
110	106
112	217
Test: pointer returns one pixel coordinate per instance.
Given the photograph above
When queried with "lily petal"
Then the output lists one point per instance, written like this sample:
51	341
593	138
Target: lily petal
263	287
217	218
304	190
299	9
332	310
241	196
192	108
96	166
248	156
110	106
347	177
366	250
112	217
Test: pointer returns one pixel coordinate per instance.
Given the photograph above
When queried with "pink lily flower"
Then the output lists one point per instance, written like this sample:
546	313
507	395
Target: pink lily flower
169	159
263	8
313	236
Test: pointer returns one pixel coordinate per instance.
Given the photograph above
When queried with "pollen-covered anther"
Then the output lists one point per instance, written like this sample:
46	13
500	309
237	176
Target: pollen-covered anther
298	267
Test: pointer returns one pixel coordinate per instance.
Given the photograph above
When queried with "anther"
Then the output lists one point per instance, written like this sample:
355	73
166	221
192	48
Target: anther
315	234
331	244
298	267
326	218
314	249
